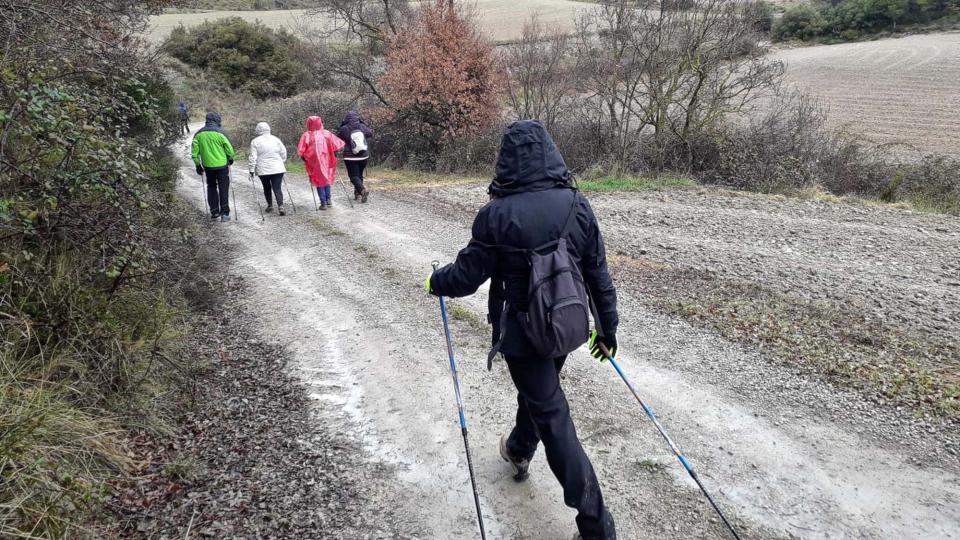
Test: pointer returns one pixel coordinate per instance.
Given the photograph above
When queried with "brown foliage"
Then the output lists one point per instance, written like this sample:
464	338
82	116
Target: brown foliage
442	79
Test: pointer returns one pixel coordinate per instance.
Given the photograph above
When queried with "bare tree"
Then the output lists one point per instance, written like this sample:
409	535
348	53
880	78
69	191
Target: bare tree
349	40
668	72
540	73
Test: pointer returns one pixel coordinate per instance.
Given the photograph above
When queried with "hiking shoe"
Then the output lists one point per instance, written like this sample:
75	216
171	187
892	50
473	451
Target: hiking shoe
363	196
214	216
520	466
269	209
281	211
356	196
225	217
323	205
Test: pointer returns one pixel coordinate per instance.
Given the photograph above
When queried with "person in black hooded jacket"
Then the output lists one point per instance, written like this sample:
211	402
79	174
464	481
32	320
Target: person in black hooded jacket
532	197
353	129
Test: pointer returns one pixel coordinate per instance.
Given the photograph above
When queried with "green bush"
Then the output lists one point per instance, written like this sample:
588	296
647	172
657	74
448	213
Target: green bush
86	188
799	22
247	56
761	14
849	19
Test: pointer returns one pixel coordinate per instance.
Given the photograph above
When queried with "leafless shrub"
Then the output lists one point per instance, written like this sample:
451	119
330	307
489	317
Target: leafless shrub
288	116
541	78
670	74
789	149
350	45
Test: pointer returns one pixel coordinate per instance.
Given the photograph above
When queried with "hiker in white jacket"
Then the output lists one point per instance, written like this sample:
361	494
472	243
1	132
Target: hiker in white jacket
267	158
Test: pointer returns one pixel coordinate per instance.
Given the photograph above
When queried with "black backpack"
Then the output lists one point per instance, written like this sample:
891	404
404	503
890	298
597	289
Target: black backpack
557	318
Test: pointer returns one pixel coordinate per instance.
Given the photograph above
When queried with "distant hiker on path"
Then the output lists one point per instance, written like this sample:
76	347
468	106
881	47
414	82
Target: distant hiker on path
317	148
184	117
213	154
535	208
267	158
356	134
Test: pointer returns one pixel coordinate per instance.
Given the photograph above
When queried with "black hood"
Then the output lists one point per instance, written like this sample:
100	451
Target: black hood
213	119
528	161
213	123
351	117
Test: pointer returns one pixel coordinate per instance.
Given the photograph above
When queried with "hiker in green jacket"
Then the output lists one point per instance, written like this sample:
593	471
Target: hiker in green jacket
213	154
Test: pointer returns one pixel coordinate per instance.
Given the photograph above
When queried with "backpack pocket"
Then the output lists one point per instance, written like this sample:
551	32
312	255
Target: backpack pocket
569	322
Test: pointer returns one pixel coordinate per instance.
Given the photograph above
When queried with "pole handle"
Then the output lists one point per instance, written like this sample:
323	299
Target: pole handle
435	264
605	351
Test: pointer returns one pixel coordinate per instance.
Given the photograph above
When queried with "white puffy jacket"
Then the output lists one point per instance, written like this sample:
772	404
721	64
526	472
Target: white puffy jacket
267	153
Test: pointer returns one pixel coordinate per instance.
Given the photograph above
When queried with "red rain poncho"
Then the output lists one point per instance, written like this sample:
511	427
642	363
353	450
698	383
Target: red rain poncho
317	147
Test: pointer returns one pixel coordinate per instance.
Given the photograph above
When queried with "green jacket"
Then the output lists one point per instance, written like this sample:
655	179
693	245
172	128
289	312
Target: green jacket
211	147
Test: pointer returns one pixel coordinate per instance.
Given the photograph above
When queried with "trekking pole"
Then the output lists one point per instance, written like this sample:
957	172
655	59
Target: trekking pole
236	209
289	197
676	450
346	193
463	421
255	198
232	189
203	186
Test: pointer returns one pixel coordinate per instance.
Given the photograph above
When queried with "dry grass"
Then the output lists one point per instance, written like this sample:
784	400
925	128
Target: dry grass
388	179
830	337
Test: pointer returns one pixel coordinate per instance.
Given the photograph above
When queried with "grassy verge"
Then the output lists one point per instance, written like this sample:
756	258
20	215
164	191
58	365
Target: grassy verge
81	375
400	178
640	183
830	337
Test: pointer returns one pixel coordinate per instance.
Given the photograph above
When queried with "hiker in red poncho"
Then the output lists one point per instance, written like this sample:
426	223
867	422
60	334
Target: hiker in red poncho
317	147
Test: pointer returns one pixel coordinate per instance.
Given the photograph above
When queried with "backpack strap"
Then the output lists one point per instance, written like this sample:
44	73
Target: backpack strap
503	332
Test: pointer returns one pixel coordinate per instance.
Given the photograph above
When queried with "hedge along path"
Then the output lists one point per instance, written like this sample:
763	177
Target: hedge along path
904	90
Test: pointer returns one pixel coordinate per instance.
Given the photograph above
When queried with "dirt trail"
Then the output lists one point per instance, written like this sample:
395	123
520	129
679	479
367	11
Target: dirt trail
344	290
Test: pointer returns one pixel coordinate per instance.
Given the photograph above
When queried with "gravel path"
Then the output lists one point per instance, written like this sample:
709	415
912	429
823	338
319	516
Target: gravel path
787	454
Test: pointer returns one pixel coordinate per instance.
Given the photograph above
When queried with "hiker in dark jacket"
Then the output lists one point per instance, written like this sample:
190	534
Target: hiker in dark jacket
356	134
533	202
184	117
213	155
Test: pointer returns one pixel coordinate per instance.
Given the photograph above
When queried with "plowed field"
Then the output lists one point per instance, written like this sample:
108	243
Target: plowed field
501	20
903	90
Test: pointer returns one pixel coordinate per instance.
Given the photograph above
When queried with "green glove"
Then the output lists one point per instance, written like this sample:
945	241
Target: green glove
610	342
429	288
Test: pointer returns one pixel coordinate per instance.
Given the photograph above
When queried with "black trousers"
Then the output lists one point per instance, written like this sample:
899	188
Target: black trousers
355	172
218	191
274	183
543	415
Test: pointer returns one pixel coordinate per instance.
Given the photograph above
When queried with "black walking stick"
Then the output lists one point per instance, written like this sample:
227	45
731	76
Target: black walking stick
463	420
